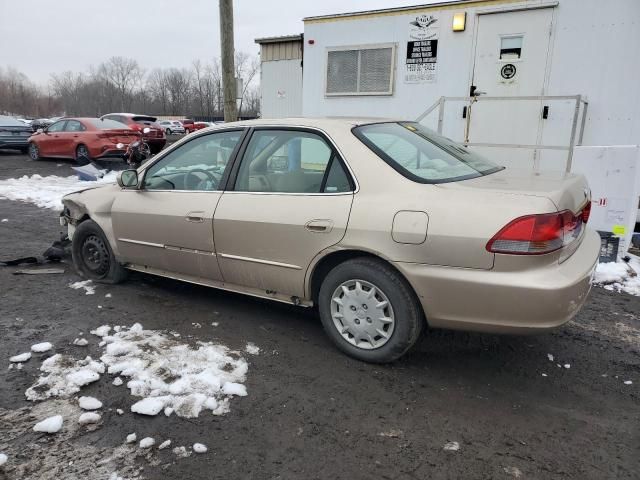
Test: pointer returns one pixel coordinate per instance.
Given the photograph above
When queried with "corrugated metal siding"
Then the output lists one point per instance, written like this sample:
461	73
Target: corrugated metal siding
270	52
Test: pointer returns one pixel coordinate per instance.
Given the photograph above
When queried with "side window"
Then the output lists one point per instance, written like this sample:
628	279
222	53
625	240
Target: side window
57	127
197	165
288	161
73	126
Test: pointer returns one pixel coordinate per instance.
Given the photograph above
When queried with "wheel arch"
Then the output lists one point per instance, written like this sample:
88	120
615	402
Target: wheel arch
325	263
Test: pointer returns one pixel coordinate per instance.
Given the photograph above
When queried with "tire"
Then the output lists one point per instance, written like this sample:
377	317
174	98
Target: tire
359	276
93	257
168	131
82	155
34	152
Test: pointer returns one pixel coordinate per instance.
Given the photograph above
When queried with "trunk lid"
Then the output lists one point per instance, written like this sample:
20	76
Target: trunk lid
567	191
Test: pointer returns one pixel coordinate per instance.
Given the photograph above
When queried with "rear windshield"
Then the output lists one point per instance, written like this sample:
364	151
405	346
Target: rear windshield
143	118
422	155
106	124
10	122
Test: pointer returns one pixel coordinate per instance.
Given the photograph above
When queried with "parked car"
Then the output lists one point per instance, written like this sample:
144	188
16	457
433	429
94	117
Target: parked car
200	125
40	123
188	125
387	227
82	139
14	134
155	138
171	126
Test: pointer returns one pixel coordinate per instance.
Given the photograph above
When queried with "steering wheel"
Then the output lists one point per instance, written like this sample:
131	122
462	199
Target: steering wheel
201	183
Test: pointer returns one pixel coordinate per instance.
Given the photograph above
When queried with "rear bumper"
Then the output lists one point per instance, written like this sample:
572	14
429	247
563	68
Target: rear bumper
17	143
505	302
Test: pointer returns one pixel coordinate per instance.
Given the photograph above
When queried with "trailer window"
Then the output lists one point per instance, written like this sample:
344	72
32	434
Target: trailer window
510	47
421	154
360	71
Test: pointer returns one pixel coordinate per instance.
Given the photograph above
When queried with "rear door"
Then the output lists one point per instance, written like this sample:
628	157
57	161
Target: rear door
70	138
167	224
291	199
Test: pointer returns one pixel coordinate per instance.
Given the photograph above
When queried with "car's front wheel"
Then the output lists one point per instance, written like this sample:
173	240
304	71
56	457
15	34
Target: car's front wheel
369	310
92	255
34	152
82	155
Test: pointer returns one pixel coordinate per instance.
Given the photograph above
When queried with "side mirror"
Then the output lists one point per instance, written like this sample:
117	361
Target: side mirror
128	179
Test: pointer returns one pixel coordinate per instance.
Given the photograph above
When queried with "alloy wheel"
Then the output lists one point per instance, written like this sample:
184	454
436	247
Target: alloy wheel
362	314
34	154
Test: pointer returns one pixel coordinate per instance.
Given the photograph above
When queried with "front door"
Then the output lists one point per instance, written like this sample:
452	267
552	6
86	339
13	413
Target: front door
53	140
290	199
167	223
510	61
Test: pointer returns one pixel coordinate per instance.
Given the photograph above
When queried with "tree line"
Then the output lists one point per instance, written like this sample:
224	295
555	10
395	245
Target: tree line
121	85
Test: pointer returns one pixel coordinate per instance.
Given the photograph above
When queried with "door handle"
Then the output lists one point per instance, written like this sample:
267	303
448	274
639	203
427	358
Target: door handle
319	226
195	217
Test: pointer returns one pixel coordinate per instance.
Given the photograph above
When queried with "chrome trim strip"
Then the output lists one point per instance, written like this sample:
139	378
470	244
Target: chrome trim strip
258	260
139	242
188	250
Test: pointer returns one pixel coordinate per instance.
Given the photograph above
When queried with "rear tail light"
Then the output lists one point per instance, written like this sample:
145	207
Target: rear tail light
539	234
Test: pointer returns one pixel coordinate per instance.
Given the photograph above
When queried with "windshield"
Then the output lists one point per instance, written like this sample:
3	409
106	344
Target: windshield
422	155
10	122
106	124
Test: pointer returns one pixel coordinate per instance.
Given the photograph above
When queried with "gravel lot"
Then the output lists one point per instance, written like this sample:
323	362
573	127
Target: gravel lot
311	412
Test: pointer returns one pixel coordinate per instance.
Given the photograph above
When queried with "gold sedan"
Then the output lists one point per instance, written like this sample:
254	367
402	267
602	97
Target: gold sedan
387	227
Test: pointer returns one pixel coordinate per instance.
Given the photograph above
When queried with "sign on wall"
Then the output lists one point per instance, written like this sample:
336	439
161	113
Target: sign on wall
422	50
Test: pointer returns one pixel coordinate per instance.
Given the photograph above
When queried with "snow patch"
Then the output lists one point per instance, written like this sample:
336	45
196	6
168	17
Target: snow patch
89	403
181	452
49	425
64	377
41	347
200	448
3	457
47	192
117	381
168	374
23	357
147	442
88	418
86	285
619	276
81	342
252	349
132	437
102	331
164	445
628	382
451	446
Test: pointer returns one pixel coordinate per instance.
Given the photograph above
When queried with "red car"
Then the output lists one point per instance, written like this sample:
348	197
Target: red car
155	138
200	125
82	139
189	126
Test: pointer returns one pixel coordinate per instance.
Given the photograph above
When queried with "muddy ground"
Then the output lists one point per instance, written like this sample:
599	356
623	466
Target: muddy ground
311	412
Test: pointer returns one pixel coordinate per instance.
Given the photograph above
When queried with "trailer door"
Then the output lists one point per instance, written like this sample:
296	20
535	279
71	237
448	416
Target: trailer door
512	50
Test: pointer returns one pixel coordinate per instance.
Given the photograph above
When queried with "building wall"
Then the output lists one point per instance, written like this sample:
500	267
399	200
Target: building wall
281	88
594	51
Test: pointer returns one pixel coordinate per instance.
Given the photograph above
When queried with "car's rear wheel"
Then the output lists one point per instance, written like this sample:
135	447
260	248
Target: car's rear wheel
168	131
82	155
369	310
92	255
34	152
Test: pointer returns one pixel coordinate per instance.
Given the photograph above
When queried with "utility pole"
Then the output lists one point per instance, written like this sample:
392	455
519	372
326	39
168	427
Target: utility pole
228	69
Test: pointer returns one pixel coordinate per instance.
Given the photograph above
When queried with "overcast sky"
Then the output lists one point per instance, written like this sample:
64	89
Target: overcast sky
40	37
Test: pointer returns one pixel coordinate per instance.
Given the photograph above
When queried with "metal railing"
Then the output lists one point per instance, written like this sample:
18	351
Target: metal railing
575	137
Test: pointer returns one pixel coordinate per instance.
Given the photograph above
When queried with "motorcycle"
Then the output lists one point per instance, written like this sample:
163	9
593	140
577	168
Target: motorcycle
137	152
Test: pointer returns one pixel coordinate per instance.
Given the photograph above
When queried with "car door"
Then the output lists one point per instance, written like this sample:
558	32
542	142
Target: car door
167	223
70	137
290	199
50	144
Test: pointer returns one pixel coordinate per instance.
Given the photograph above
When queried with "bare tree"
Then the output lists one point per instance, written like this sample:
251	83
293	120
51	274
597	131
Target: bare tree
246	69
125	74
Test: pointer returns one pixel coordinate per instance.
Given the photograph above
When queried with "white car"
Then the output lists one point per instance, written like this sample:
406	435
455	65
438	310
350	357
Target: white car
171	126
